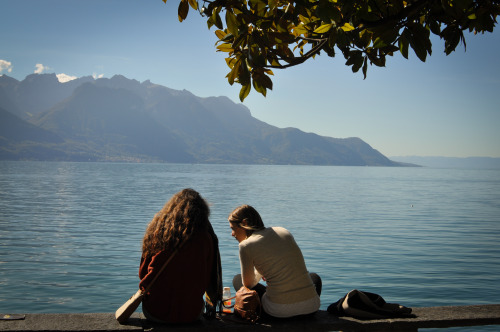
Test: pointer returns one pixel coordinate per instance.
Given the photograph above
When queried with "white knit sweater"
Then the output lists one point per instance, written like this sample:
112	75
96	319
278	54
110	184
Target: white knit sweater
273	254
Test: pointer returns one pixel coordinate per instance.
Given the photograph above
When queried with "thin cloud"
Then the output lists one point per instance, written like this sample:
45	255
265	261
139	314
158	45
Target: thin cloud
63	78
96	76
41	68
5	65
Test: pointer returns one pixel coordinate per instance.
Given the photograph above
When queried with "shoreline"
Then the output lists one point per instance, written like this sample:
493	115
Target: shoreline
429	317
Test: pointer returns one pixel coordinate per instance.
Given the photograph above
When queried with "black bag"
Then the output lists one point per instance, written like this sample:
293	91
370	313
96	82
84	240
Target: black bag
365	305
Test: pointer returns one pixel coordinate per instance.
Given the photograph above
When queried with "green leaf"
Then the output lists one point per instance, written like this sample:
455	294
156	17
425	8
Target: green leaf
256	57
355	60
233	74
232	23
183	10
283	25
452	36
220	34
228	38
451	43
341	39
261	82
259	87
231	62
273	4
378	60
323	28
304	19
379	43
244	75
385	38
419	41
258	6
435	27
218	21
300	30
225	47
237	43
420	52
267	82
210	23
193	4
245	90
347	27
215	19
365	67
365	37
328	12
403	45
332	38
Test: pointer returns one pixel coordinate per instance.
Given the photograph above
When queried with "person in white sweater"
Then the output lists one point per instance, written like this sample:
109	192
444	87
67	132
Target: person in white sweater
271	254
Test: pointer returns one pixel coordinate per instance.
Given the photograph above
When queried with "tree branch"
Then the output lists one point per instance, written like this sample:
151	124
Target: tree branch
298	60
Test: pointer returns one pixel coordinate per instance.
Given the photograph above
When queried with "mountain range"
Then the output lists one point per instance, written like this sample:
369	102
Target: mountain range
121	119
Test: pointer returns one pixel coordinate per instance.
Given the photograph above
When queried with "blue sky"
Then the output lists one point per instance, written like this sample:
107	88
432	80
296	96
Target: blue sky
447	106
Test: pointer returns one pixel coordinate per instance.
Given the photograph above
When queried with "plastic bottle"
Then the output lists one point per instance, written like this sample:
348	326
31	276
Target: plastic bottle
226	294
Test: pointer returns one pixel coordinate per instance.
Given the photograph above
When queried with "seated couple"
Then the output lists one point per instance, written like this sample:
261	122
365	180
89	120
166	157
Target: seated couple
182	230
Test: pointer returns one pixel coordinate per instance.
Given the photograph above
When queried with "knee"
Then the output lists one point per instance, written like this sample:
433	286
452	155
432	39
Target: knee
316	279
237	282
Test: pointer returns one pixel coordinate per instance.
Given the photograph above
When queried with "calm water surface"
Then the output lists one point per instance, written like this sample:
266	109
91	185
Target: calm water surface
70	233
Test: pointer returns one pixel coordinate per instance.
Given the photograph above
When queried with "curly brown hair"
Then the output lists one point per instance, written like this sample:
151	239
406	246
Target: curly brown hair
183	215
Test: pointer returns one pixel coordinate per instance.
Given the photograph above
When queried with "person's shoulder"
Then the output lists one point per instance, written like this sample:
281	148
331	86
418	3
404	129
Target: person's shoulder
280	230
283	233
250	241
246	242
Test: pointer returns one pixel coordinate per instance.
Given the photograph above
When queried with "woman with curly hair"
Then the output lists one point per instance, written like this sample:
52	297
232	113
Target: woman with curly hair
182	229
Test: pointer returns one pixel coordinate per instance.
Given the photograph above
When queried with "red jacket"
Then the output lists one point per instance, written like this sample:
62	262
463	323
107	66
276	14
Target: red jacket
177	295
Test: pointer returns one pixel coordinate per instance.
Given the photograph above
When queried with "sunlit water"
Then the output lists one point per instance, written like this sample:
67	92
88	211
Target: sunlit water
70	233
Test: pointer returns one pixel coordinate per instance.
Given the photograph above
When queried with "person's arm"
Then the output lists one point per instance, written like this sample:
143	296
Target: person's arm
250	277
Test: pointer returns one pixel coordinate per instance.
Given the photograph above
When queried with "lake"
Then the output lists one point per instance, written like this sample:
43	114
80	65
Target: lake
70	233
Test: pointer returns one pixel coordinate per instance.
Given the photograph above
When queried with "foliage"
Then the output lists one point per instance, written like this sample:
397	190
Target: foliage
261	35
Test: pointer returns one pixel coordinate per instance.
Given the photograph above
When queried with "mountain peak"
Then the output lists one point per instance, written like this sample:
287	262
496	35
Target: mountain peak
7	80
41	79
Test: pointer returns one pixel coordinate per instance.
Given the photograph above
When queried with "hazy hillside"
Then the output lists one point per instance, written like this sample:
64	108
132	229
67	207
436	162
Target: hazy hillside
111	120
120	119
451	162
36	93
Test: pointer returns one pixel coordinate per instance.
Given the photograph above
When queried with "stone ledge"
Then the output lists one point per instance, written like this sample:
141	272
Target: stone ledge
71	322
431	317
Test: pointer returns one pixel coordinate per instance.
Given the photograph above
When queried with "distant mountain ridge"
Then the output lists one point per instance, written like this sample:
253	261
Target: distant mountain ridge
451	162
121	119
